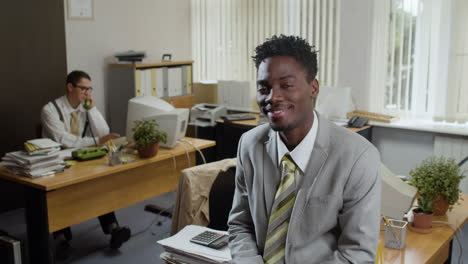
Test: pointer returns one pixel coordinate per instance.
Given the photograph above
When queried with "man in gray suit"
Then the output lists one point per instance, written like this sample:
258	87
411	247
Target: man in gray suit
307	191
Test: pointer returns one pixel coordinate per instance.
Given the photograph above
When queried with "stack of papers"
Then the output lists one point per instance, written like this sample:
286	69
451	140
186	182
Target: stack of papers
179	249
41	146
42	158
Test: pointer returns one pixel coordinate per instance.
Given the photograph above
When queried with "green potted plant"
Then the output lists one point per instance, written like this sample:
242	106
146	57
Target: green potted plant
423	213
437	179
147	137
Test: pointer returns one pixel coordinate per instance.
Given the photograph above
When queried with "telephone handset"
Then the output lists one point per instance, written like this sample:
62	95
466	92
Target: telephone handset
87	103
357	121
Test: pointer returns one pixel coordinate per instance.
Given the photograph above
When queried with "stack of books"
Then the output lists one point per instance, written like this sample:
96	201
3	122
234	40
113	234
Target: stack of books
179	249
41	158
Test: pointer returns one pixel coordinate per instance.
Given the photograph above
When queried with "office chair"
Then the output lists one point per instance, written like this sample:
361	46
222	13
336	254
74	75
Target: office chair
228	138
194	191
220	199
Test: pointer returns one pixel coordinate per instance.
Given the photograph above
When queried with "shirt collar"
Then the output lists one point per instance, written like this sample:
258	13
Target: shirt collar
302	152
67	108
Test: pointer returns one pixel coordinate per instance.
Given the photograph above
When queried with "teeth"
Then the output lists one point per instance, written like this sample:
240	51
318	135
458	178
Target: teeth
277	111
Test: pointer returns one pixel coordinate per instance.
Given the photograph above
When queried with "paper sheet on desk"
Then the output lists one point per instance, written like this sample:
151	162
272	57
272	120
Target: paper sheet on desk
44	143
181	242
23	157
66	152
175	258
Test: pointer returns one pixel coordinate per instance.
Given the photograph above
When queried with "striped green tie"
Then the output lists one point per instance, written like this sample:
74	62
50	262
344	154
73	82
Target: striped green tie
280	214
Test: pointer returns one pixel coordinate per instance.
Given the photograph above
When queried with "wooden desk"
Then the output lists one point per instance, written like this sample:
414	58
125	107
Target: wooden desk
254	123
227	135
433	247
92	188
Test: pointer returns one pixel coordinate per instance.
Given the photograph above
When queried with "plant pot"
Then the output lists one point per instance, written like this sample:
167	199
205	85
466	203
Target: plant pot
150	151
440	206
422	220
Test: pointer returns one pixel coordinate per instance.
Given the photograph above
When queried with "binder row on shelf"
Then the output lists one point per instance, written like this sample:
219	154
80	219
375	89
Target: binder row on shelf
163	81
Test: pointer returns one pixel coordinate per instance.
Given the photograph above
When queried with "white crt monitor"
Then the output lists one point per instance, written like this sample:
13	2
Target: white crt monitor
171	120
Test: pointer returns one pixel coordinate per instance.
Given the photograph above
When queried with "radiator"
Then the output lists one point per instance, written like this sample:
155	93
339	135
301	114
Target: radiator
456	148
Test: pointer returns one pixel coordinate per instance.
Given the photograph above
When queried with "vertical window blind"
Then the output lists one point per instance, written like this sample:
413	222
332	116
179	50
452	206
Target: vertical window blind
402	28
457	109
425	62
226	32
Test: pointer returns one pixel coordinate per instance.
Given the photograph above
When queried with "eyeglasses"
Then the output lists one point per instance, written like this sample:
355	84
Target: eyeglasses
85	89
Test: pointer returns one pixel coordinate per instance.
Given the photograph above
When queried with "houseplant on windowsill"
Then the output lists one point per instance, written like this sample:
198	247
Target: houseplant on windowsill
437	179
147	137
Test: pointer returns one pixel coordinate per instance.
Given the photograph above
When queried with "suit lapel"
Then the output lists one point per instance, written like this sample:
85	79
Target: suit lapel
271	175
317	159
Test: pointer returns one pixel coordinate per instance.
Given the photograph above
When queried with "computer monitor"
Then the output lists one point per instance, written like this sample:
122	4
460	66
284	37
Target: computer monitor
397	196
171	120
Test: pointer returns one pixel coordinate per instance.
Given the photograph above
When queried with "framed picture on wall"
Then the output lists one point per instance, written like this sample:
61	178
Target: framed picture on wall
80	9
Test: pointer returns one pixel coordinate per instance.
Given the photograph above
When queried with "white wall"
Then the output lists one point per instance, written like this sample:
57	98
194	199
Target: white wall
155	26
402	150
355	49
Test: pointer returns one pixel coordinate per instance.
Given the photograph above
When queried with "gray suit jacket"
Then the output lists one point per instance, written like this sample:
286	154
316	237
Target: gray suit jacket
335	218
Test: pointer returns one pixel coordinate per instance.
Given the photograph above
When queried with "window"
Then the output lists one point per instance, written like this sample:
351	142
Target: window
458	64
400	55
226	32
423	72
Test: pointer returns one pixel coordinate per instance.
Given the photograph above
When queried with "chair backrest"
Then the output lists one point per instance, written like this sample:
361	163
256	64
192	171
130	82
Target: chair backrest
220	199
227	140
193	194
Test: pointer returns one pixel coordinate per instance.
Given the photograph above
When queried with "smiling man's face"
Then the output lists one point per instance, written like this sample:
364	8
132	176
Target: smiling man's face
285	95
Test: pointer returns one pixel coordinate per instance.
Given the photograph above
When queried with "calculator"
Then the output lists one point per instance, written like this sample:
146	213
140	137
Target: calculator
211	239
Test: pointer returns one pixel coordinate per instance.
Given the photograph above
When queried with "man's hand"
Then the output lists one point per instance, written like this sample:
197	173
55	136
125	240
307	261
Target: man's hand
89	97
104	139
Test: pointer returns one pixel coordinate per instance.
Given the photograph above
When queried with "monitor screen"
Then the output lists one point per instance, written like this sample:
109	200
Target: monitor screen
171	120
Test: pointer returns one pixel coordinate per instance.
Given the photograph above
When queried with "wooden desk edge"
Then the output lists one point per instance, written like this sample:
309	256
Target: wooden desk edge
254	122
357	129
161	156
436	255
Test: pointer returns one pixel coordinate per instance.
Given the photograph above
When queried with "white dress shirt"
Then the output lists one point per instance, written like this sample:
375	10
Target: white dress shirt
301	153
60	131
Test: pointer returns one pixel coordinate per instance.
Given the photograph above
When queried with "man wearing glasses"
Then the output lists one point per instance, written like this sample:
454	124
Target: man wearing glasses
64	120
75	123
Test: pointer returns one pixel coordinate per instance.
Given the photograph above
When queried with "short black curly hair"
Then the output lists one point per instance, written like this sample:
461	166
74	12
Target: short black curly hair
292	46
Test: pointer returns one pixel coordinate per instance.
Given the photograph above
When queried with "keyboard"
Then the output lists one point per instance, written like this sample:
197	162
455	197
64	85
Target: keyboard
238	117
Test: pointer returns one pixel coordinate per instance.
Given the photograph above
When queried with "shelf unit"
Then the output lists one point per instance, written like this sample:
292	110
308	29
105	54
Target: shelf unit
171	81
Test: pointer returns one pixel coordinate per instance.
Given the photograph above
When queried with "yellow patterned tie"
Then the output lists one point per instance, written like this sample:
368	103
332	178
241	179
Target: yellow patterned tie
74	124
280	214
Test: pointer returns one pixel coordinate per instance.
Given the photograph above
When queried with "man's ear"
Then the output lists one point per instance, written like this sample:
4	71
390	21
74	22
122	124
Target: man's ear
314	91
69	87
